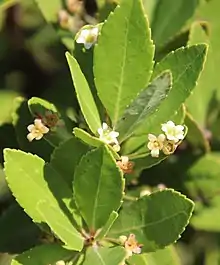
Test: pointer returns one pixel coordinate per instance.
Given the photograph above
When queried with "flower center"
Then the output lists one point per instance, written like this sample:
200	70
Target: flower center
90	38
156	144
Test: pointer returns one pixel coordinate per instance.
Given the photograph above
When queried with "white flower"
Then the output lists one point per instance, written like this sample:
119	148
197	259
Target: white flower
107	135
88	36
155	144
173	132
37	130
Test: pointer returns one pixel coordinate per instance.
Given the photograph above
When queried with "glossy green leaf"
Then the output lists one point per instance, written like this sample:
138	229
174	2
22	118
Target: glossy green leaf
92	141
6	101
66	157
50	9
144	105
167	256
39	109
104	256
196	136
61	225
130	57
198	102
41	255
35	175
104	231
4	4
185	64
18	232
202	183
157	220
149	6
208	12
84	58
21	118
166	25
98	187
84	95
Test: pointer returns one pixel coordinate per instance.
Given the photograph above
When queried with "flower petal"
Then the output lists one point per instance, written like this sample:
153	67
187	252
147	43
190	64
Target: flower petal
88	45
38	123
94	31
114	134
150	146
170	124
30	127
161	137
44	129
31	137
80	39
39	136
104	126
179	128
155	153
100	131
152	137
124	159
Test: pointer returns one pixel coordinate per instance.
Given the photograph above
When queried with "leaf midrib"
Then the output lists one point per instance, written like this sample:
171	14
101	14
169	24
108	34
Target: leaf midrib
150	224
97	196
117	105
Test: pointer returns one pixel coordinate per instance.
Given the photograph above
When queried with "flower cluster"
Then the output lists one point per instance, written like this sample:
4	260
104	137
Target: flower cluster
131	245
166	142
43	124
125	165
88	36
36	130
108	136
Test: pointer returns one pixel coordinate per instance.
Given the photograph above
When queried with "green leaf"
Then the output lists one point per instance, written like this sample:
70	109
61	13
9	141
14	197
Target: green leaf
149	6
41	255
4	4
130	57
195	135
200	179
93	141
202	183
84	95
157	220
37	177
104	231
6	101
50	9
167	256
21	118
66	157
84	58
185	65
104	256
210	16
39	108
198	102
145	104
18	232
166	25
61	225
98	187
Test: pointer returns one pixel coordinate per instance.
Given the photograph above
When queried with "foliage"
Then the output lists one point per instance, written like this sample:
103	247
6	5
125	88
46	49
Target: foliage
116	128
